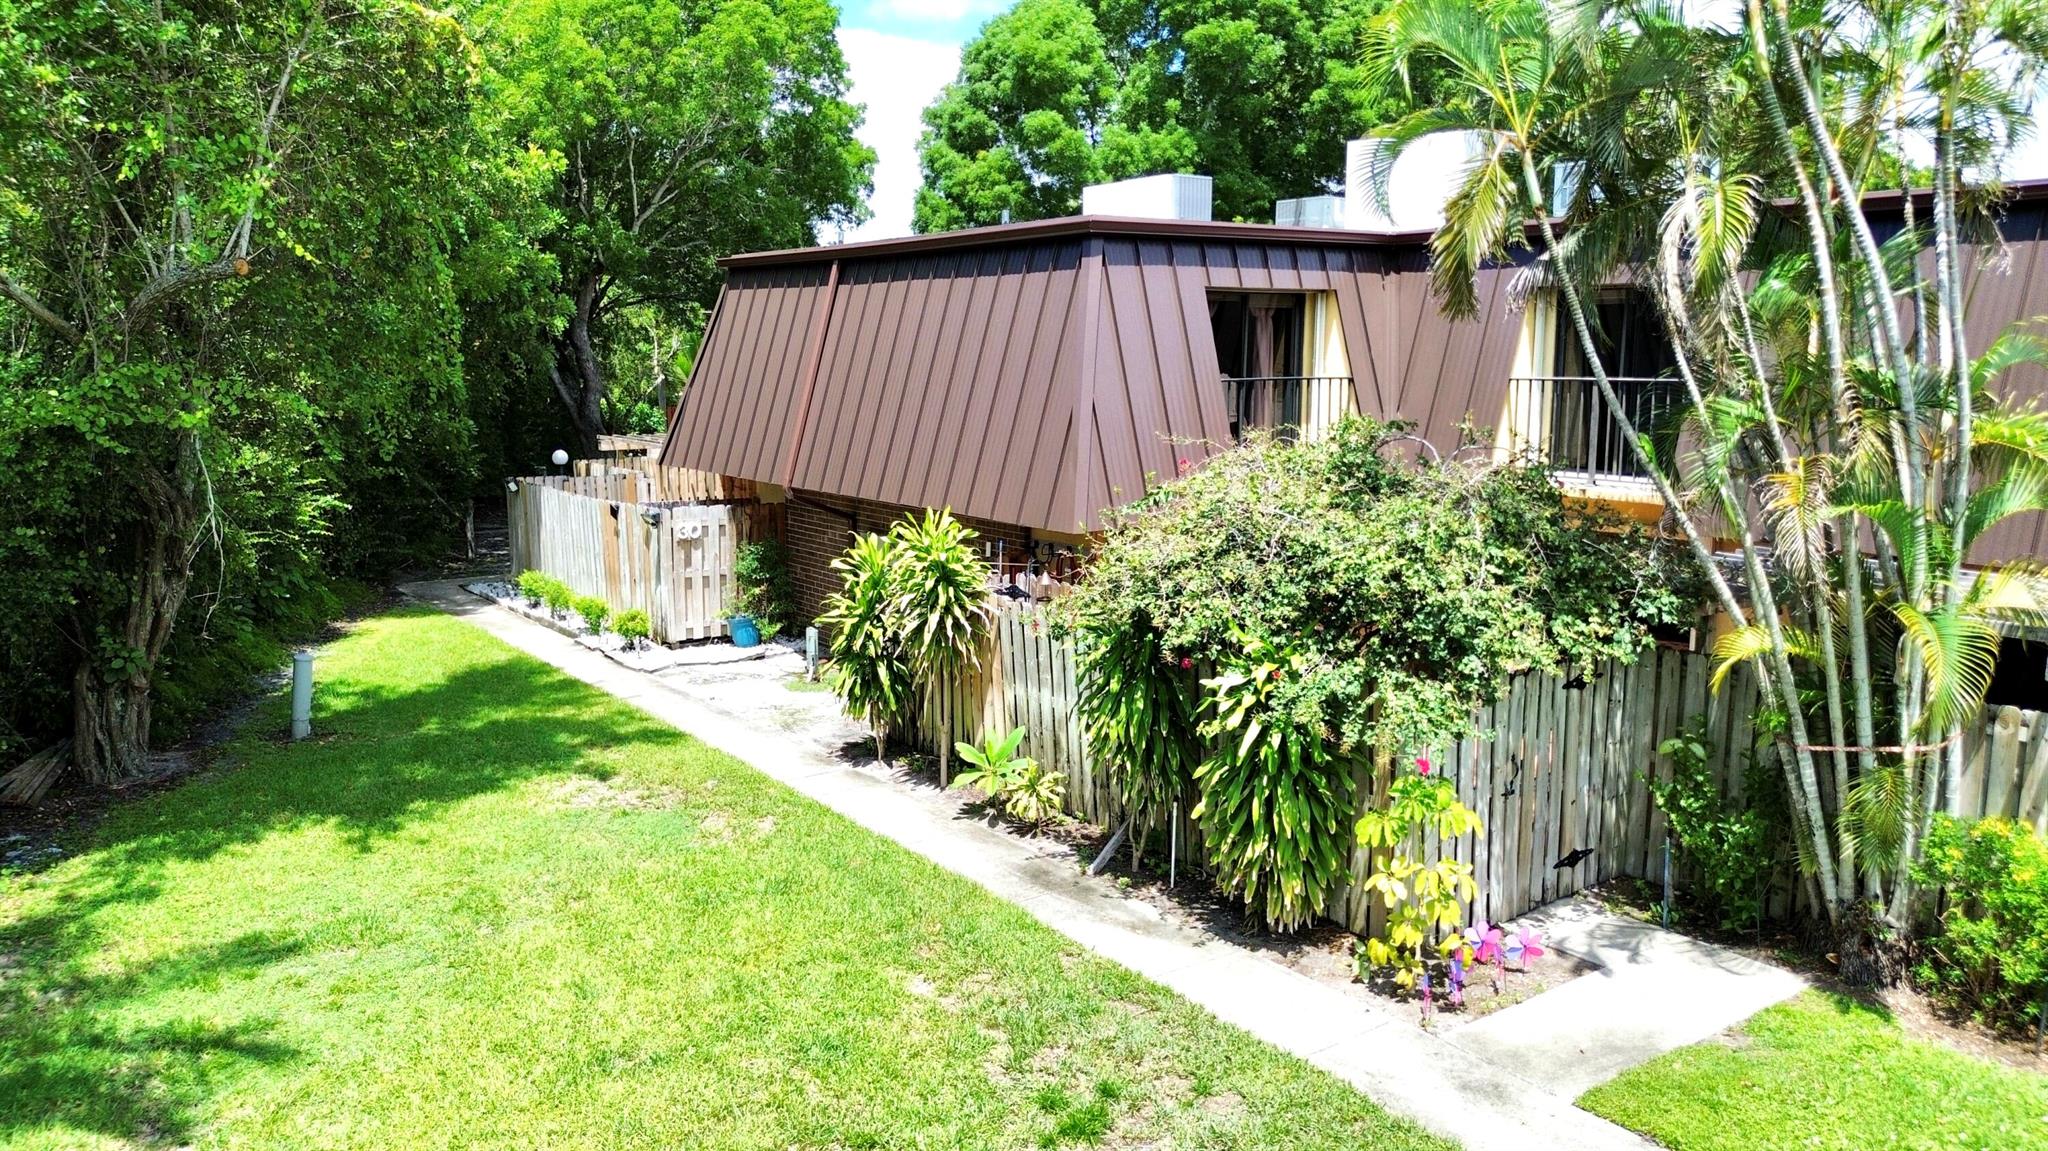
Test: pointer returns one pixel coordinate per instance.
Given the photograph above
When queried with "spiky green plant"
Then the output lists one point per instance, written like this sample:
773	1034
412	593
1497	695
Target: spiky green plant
870	671
1140	712
938	602
1276	794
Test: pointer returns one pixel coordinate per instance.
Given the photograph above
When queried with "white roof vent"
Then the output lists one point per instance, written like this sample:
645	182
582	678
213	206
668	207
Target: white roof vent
1423	178
1169	197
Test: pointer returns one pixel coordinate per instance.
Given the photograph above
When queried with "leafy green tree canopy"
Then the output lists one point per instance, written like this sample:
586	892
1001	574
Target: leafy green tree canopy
681	131
227	296
1057	94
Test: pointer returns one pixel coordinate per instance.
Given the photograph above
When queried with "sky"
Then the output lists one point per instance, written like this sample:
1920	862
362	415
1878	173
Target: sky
899	53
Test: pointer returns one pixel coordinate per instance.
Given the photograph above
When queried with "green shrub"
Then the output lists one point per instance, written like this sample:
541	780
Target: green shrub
1989	953
633	626
594	611
1025	791
1276	793
558	596
762	586
1735	844
533	586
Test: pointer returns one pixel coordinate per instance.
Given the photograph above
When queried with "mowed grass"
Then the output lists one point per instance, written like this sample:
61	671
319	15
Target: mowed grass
491	907
1824	1071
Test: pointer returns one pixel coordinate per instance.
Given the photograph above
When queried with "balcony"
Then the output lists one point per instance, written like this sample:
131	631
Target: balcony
1279	404
1563	421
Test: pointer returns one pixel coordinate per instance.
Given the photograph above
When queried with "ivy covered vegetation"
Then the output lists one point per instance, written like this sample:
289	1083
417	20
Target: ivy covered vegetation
1256	628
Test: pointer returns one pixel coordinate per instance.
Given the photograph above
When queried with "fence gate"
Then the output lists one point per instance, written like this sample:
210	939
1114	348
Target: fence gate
672	560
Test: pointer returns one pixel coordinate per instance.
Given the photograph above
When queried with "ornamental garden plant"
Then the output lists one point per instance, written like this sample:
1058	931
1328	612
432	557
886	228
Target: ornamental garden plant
1263	630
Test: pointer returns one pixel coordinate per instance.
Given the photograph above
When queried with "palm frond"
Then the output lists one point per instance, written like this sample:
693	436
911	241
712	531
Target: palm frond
1957	649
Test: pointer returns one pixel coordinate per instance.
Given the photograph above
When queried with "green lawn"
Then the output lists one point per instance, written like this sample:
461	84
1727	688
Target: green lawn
1823	1072
490	907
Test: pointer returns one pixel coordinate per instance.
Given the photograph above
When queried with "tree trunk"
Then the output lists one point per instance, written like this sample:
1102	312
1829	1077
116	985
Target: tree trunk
110	691
577	374
110	724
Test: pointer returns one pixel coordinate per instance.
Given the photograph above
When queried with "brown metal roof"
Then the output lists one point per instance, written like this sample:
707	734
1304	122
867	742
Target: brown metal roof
1039	373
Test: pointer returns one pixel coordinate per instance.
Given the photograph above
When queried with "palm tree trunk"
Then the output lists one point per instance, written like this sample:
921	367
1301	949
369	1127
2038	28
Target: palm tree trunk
1807	786
1866	243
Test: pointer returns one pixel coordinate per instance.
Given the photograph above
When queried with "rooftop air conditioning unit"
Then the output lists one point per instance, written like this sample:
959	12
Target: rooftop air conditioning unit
1310	212
1169	197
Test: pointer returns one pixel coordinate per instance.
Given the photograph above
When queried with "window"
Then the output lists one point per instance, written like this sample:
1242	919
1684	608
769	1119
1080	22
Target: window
1259	345
1556	408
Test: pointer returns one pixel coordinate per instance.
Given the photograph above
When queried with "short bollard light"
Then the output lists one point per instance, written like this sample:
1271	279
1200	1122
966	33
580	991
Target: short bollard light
302	694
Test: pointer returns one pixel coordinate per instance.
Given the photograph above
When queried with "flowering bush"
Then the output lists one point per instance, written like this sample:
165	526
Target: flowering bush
1350	601
1989	955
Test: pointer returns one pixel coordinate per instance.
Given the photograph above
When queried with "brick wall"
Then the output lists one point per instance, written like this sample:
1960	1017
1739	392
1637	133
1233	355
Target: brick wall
818	527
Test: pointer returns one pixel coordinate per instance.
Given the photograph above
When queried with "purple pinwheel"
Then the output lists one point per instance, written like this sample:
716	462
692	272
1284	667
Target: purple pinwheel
1526	946
1484	941
1458	976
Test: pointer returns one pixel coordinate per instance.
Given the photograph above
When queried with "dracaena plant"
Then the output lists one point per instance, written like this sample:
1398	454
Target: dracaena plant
1139	709
1276	790
870	671
937	603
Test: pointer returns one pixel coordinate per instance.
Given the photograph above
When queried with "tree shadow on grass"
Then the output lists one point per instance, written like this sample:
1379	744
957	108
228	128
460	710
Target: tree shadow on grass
389	757
69	1063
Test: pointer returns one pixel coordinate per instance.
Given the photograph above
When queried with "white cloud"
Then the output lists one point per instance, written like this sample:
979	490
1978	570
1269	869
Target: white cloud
896	77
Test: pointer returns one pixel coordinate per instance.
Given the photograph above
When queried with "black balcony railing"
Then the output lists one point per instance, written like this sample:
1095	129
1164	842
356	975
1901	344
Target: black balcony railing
1278	404
1565	421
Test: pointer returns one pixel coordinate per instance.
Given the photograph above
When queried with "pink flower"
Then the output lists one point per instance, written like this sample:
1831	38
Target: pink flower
1422	764
1185	464
1186	663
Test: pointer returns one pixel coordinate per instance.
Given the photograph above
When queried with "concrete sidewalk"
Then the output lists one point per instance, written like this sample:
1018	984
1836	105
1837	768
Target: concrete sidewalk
1478	1084
1656	991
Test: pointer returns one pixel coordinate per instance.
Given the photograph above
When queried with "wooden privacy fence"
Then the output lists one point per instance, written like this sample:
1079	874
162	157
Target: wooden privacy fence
604	536
1560	767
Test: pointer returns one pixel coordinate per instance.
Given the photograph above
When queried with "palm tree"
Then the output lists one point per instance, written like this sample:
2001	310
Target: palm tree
1810	421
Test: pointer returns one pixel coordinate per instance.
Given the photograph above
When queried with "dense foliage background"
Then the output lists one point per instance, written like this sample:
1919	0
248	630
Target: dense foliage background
284	284
1057	94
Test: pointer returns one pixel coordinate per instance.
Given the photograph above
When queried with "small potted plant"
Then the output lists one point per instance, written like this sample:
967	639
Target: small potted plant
745	632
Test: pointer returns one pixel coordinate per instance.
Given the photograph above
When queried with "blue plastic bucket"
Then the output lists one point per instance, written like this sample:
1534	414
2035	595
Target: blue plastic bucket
745	633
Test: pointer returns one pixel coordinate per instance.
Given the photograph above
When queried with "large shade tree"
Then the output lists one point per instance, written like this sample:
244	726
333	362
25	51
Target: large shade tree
1053	95
226	296
1830	395
681	132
